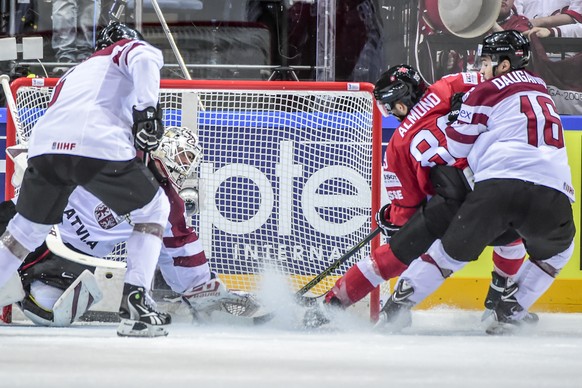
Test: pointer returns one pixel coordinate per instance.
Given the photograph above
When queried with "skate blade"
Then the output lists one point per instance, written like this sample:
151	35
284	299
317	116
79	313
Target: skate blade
499	328
487	315
129	328
518	328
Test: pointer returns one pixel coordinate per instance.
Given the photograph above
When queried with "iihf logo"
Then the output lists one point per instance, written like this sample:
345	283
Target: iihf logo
58	145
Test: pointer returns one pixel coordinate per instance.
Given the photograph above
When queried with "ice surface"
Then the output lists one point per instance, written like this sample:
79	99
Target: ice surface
444	348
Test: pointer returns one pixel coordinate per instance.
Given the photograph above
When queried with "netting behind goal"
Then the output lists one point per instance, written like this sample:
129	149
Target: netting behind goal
290	173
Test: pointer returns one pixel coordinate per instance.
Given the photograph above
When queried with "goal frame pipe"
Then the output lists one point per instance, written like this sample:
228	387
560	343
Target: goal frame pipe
257	85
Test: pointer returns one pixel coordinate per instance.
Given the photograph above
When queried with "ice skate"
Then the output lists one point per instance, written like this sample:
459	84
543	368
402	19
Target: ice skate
321	310
509	316
138	317
496	289
396	315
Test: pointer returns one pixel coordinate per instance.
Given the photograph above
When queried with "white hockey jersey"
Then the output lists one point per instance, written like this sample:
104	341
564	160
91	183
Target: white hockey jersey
542	8
508	127
90	112
92	228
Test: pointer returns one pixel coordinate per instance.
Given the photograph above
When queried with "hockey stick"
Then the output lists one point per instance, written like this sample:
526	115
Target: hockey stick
5	80
304	300
55	245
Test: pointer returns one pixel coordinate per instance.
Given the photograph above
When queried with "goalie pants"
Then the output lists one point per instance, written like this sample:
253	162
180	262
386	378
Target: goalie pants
49	180
541	215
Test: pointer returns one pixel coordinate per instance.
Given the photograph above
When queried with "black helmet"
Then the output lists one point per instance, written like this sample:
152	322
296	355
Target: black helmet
399	83
114	32
510	44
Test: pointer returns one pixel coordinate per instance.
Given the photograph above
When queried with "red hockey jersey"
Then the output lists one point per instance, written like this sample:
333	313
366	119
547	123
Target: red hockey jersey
419	143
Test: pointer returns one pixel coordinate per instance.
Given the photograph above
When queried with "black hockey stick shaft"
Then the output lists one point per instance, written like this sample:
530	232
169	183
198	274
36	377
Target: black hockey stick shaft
333	266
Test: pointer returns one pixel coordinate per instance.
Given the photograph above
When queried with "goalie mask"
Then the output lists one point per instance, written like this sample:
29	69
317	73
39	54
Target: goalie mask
177	158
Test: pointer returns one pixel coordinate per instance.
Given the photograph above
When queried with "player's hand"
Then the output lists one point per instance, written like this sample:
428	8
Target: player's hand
456	102
148	128
383	221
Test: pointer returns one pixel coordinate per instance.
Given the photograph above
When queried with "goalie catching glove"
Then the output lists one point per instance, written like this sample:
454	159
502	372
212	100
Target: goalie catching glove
148	128
383	221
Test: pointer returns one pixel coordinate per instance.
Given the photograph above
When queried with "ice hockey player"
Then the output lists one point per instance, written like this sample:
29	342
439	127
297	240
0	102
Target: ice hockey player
509	131
91	228
100	111
425	184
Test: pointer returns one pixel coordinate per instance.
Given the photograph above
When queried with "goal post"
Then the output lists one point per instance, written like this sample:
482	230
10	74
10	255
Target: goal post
290	176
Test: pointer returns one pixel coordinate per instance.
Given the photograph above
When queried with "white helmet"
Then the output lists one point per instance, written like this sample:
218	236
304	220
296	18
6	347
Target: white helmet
178	155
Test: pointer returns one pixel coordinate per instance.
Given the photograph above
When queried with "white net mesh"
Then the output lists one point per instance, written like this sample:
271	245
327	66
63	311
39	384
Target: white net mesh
285	177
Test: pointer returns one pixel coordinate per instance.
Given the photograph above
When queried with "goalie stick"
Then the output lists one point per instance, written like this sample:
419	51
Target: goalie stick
306	300
6	315
12	109
56	246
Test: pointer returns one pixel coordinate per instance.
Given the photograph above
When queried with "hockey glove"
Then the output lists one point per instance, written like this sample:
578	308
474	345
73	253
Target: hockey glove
148	128
456	102
383	221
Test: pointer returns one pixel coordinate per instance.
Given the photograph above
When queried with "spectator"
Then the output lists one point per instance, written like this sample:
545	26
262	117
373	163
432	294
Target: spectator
550	13
509	19
74	23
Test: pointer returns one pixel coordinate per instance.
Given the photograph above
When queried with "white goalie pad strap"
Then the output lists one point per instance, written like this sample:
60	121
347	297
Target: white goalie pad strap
20	164
76	299
12	291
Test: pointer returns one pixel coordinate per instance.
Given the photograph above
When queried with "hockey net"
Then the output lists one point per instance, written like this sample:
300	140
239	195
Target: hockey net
289	178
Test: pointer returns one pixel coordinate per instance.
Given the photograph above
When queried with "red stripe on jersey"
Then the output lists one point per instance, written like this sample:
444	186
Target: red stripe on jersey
459	137
190	261
181	234
180	241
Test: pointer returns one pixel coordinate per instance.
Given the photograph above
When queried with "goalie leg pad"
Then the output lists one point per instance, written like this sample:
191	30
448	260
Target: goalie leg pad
213	296
69	307
12	291
77	299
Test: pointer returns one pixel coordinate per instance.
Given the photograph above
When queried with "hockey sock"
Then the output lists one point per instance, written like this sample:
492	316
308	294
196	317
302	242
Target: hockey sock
366	275
354	285
507	259
424	277
143	250
386	263
534	278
